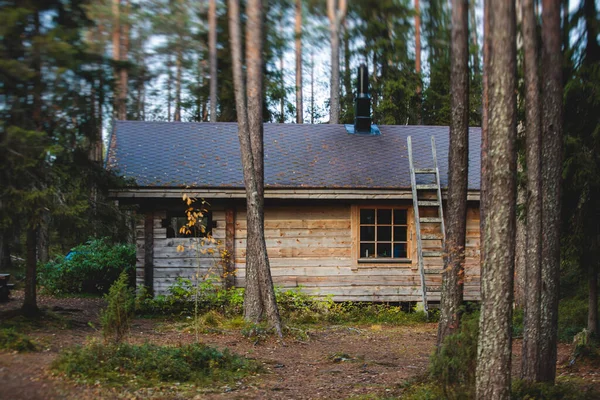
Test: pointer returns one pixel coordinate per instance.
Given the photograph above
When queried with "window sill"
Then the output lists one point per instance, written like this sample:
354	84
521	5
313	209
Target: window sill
384	261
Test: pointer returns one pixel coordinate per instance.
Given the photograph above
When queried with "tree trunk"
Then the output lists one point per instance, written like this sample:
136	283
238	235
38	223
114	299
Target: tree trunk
5	260
178	73
551	177
116	50
43	239
418	64
592	323
123	73
212	51
484	127
312	88
299	106
494	343
281	83
520	243
30	302
533	278
458	157
259	298
474	40
336	11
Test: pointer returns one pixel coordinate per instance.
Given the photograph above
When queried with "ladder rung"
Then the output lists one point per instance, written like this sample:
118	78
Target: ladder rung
433	271
425	171
430	219
432	254
429	186
434	288
431	237
429	203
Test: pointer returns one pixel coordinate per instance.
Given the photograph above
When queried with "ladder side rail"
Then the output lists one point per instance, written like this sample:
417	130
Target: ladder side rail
439	190
413	182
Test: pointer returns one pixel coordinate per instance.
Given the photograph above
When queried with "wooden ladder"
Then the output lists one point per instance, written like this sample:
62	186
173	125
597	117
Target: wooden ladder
433	201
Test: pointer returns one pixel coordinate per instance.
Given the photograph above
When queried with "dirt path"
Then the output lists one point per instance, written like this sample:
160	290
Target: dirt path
333	362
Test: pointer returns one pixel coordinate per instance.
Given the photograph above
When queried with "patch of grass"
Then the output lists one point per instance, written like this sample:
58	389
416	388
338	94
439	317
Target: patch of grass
423	391
12	340
149	365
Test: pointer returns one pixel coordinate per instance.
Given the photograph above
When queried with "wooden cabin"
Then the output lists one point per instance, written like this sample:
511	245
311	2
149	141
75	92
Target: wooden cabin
339	217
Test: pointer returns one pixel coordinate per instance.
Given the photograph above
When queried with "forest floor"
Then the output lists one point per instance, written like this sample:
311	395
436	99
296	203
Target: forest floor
331	362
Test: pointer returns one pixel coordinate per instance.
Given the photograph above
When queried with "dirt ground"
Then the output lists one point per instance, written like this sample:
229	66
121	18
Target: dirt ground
334	362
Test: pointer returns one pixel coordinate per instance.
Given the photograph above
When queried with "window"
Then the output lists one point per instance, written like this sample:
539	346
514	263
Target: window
383	233
175	221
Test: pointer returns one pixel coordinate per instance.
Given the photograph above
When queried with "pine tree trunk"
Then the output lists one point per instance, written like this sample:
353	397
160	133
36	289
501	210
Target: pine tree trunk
178	73
169	86
484	126
533	278
494	343
299	105
259	297
592	322
336	11
418	63
312	88
116	50
123	74
551	177
30	302
474	40
458	157
43	239
520	245
348	101
212	51
5	260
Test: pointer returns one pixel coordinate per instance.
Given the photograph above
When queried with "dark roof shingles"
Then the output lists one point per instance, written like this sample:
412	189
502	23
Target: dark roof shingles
175	154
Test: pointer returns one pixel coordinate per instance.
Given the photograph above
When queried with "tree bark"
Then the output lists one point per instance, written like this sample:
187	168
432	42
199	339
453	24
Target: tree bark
551	177
418	63
212	51
520	242
494	343
299	105
123	73
484	126
592	322
30	302
312	88
178	73
336	11
458	157
533	278
259	298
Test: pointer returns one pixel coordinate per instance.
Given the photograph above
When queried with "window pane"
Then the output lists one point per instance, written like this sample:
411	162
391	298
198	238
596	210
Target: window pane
384	233
400	250
367	216
384	216
367	250
399	217
400	233
367	233
384	249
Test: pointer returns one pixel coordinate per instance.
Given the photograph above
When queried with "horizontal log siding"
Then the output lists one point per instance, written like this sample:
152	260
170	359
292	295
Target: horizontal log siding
314	247
310	247
169	264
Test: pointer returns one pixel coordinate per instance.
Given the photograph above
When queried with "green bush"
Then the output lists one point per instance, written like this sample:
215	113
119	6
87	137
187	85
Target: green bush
150	365
572	318
453	366
14	341
115	319
89	268
181	296
522	390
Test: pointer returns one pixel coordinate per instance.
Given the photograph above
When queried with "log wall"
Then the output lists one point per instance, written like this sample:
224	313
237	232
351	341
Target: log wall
196	260
311	246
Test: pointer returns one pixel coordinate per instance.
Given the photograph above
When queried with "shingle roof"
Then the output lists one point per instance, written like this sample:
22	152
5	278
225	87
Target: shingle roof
207	155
